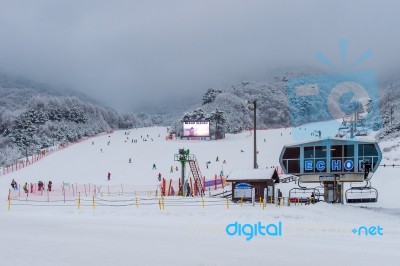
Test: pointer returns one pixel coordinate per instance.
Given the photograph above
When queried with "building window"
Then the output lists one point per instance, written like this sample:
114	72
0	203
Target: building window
315	159
348	151
292	153
293	166
342	158
291	160
367	152
336	151
308	152
320	151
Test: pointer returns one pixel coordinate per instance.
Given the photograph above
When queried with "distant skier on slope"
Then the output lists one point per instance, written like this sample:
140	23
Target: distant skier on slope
312	197
108	176
187	190
25	187
13	183
279	196
40	186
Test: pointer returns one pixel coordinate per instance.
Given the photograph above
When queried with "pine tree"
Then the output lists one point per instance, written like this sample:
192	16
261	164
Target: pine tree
210	95
219	119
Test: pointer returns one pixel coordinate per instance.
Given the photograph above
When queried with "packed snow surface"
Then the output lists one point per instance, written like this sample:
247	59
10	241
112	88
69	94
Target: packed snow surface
134	229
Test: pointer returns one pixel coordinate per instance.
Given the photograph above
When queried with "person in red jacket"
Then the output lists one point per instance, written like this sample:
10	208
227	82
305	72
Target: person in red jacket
40	186
109	176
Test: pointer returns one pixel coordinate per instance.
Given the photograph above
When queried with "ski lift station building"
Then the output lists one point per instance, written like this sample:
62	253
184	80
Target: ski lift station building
331	161
315	161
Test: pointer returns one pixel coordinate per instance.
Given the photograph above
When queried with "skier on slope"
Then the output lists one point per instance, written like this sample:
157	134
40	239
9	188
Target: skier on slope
109	176
40	186
25	187
279	196
13	183
187	190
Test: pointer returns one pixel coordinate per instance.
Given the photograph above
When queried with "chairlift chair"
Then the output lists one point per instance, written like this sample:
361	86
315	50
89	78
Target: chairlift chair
362	194
303	194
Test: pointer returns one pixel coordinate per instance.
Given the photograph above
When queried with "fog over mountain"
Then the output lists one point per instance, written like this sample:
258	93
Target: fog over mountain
132	55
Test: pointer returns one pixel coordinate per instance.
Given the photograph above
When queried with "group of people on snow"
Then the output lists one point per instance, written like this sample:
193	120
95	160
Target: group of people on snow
25	187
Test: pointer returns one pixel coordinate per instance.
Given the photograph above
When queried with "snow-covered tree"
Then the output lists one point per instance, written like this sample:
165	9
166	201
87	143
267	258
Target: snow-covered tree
218	119
210	94
196	115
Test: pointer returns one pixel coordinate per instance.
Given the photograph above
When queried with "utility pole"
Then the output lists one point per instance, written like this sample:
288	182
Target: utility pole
254	102
255	134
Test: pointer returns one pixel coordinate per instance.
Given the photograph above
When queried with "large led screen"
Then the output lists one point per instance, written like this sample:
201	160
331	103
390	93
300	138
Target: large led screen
196	129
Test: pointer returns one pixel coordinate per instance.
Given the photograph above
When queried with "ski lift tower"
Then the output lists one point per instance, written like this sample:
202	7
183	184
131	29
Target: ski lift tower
184	156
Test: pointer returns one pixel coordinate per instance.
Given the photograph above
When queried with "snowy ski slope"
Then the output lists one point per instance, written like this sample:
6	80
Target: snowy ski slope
186	233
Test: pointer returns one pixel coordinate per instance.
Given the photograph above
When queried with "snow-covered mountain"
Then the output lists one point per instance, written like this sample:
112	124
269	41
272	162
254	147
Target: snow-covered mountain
16	92
279	106
35	116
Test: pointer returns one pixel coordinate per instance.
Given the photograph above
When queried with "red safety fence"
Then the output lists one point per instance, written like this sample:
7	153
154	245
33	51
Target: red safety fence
22	163
71	191
172	187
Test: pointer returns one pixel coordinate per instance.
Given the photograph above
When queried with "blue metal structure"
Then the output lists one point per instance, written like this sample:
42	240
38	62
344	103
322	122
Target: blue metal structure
331	159
331	162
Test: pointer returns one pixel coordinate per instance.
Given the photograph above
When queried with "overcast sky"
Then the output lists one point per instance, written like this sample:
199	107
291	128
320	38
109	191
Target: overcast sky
129	53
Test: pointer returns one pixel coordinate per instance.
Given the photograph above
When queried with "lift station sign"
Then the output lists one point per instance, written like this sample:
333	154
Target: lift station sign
243	190
336	165
327	178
